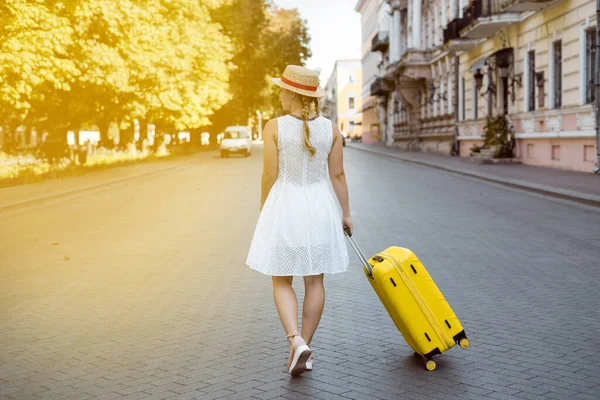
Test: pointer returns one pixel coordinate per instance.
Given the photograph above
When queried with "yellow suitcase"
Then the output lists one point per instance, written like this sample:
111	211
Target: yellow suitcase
413	300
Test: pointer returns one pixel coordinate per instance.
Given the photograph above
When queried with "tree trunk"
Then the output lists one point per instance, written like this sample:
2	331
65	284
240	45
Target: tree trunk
28	136
103	127
9	137
158	136
125	136
143	133
76	131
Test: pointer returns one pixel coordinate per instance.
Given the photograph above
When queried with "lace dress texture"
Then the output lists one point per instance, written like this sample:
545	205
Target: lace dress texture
299	231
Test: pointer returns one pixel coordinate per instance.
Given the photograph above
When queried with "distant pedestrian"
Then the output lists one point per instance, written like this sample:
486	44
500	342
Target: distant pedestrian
300	231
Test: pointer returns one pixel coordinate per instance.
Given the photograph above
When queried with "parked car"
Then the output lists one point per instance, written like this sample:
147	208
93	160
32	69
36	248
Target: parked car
236	139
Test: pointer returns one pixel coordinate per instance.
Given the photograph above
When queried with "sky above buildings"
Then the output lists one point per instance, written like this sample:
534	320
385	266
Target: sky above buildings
334	28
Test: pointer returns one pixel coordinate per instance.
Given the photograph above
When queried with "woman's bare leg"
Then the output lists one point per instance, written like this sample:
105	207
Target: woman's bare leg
287	308
314	300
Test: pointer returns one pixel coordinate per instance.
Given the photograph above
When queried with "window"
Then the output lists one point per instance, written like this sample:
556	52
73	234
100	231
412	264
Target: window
351	103
529	150
589	153
556	152
235	135
351	127
352	77
557	81
590	63
531	81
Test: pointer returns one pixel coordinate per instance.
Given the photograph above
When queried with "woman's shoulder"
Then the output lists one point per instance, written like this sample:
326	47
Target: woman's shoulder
324	118
271	128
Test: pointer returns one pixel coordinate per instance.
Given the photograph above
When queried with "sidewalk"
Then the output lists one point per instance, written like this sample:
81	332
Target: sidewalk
572	185
16	196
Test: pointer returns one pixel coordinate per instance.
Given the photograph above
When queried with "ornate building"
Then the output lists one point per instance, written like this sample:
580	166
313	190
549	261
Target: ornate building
445	65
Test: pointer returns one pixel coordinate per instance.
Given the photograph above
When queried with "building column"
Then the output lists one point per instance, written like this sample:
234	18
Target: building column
382	117
393	41
403	33
416	24
389	140
397	24
409	34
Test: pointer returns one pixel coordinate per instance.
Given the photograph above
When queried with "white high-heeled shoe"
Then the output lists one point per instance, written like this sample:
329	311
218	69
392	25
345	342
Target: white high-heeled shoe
301	356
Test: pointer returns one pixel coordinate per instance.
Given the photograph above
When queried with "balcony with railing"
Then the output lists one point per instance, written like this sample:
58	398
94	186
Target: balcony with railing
380	42
483	18
380	87
416	64
452	38
525	5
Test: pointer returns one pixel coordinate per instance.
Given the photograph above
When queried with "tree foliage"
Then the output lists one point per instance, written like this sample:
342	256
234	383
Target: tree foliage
179	64
499	135
286	42
266	39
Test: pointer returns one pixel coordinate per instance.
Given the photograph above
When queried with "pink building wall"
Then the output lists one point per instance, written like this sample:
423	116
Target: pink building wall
562	141
367	136
571	154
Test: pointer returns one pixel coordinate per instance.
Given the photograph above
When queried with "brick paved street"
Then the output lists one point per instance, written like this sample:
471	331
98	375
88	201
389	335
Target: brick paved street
576	184
140	291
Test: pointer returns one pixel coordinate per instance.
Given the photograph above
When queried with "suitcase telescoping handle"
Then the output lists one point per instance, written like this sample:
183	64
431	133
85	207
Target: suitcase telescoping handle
358	251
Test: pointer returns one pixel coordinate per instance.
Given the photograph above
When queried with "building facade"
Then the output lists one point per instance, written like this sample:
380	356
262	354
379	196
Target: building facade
343	103
446	65
373	22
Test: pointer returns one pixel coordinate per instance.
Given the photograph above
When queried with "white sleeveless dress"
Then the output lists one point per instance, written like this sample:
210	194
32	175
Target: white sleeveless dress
299	231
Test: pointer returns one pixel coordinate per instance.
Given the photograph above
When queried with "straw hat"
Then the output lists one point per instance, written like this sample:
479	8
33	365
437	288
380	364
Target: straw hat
300	80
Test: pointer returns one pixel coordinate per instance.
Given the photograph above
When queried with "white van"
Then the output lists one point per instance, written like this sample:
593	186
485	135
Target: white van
236	139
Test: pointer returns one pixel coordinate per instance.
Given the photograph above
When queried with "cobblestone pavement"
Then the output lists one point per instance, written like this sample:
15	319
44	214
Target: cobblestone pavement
571	183
140	291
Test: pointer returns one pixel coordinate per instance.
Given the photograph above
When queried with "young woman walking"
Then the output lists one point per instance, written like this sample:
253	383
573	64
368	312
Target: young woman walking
300	231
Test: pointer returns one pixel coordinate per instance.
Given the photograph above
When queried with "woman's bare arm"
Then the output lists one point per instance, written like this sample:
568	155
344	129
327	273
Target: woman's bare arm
336	172
270	160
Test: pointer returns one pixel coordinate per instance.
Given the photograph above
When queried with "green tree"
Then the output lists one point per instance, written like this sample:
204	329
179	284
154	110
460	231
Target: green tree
162	61
68	64
243	21
286	41
34	43
266	39
187	76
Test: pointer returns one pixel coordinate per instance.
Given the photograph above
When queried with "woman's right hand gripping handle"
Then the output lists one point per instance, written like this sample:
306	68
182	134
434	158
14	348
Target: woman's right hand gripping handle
348	226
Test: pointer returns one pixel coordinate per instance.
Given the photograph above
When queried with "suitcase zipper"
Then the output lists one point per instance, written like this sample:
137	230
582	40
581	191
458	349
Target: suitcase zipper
417	296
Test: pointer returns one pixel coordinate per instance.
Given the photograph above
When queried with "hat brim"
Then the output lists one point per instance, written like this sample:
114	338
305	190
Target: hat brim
318	93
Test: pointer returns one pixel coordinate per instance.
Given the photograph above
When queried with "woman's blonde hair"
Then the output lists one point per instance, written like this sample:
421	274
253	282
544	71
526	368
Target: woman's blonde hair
307	102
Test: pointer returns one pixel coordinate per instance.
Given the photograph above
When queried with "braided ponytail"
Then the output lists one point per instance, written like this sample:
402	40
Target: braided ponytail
305	111
316	105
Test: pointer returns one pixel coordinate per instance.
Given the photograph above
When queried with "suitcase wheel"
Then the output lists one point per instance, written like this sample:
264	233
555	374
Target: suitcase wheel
464	343
430	365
